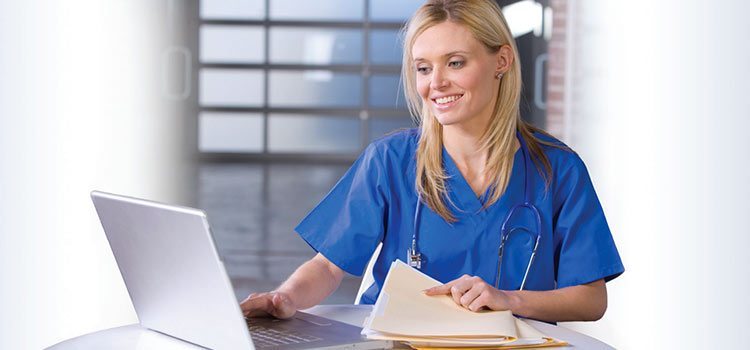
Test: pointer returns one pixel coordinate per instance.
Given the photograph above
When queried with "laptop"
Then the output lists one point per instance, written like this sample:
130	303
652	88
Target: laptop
179	287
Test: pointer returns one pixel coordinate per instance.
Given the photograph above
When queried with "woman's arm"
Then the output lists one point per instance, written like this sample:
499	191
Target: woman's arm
586	302
312	282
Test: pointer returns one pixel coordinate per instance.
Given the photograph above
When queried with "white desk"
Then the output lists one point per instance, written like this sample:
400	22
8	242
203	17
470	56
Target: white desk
135	337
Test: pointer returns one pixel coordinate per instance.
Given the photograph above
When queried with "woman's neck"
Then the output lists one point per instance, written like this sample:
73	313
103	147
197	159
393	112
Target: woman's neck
464	148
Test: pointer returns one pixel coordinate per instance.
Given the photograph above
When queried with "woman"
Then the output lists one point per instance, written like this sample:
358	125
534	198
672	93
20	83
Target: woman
441	195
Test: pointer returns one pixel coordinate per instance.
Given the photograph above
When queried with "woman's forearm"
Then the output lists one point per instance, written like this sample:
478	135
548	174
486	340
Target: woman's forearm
312	282
586	302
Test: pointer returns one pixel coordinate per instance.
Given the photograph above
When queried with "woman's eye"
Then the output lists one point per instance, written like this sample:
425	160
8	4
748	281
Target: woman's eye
456	64
423	70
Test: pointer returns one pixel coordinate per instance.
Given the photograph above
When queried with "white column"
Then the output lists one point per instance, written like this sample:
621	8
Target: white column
660	113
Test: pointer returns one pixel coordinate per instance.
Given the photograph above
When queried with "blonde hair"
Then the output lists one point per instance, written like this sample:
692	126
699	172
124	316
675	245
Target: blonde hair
485	21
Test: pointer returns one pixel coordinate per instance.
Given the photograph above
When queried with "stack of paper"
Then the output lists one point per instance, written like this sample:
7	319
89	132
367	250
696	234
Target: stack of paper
404	313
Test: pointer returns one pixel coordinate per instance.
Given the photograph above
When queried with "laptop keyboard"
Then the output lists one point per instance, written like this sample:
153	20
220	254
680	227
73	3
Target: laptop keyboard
267	337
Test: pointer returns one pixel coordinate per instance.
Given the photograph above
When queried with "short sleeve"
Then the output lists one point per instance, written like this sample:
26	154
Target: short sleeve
585	249
347	225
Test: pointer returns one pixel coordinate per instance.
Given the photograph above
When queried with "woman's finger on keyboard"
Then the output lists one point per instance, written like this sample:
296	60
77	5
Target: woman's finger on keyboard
257	304
282	305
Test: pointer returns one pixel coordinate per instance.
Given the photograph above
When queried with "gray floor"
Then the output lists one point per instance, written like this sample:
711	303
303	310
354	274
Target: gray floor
253	209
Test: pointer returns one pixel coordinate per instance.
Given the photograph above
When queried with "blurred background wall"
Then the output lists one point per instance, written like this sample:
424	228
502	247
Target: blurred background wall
251	110
81	108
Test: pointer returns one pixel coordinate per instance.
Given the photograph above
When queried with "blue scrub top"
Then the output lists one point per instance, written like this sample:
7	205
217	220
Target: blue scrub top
375	202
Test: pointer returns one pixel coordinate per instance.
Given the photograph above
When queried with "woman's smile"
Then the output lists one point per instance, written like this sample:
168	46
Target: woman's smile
445	102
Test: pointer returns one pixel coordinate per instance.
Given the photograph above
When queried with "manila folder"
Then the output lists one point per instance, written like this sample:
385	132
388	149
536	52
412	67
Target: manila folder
402	309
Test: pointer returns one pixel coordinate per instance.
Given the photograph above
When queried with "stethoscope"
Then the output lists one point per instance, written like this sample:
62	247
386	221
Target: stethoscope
414	257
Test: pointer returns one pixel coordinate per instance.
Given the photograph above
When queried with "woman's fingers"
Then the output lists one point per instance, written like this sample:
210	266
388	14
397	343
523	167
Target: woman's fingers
439	290
445	288
469	296
257	304
457	291
470	292
455	288
276	304
282	306
480	302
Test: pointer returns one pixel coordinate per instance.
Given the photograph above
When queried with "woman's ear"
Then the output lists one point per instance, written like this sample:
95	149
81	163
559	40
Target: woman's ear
504	58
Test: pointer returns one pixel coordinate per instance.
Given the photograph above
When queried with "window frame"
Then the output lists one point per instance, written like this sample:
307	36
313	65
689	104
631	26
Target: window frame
366	70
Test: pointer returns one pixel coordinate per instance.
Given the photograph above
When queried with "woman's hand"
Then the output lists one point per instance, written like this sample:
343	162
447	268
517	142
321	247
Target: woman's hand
473	293
585	302
276	304
306	287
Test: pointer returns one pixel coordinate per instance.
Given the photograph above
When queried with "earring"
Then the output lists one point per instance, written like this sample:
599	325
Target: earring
499	75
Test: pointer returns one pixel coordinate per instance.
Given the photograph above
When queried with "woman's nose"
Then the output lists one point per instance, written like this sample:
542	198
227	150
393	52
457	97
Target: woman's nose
438	80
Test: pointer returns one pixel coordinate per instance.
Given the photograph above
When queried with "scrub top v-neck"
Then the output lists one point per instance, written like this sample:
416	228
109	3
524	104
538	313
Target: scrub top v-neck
375	202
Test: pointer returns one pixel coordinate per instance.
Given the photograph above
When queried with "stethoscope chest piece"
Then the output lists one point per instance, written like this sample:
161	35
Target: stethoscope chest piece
414	258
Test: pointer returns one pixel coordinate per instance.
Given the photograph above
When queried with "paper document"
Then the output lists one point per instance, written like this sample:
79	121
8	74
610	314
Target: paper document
404	313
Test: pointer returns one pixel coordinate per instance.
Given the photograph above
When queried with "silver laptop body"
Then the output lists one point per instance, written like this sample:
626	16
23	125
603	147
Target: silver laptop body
179	287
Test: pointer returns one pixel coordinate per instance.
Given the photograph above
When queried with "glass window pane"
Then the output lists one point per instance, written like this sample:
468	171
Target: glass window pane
231	87
321	10
383	125
314	88
316	46
393	10
385	47
289	133
386	92
232	44
233	9
230	132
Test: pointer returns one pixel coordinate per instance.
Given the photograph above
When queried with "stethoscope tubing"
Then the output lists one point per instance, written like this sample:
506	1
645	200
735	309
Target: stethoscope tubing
414	257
